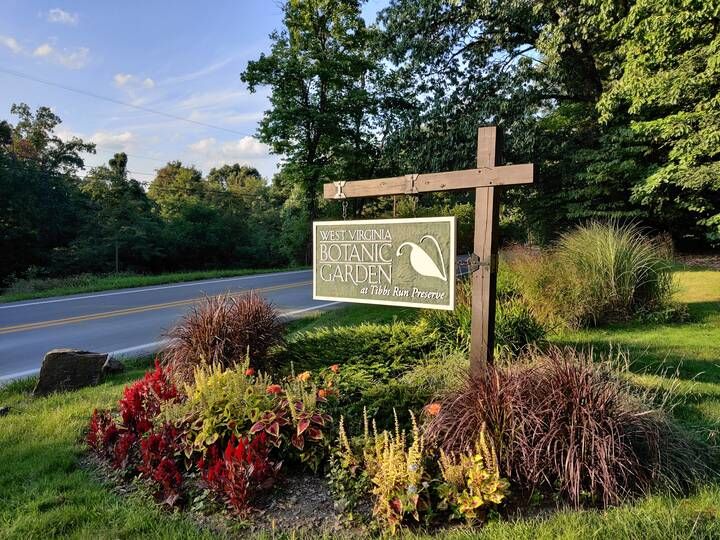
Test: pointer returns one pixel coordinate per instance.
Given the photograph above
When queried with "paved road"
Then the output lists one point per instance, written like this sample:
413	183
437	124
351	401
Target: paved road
128	321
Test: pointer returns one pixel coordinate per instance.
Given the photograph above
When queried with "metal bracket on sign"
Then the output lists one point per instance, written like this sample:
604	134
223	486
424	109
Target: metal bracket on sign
475	263
411	188
339	185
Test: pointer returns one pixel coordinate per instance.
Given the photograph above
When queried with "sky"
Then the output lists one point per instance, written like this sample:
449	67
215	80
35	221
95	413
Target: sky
182	58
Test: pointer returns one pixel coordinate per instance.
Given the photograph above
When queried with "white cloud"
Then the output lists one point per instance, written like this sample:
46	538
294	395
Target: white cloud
113	140
11	43
75	58
57	15
212	153
245	147
43	50
203	145
197	74
121	79
72	58
132	82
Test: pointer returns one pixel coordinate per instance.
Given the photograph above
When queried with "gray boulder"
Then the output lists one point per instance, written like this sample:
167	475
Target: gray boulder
68	369
113	365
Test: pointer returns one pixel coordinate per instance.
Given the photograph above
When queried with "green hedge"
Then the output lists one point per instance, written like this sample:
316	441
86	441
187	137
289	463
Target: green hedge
384	349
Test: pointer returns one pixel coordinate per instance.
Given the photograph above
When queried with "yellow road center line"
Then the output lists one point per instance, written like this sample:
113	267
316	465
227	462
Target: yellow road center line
131	311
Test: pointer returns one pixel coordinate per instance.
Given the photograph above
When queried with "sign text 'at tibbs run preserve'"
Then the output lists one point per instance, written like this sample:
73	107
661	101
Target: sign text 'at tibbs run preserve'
398	262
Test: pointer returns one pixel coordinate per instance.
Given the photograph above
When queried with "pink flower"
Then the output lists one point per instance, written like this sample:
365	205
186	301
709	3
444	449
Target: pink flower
249	372
335	368
274	389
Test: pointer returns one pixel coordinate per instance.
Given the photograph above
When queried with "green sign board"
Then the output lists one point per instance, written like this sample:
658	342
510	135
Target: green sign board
397	262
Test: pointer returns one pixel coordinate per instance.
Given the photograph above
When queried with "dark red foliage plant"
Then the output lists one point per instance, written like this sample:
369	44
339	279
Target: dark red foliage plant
565	424
224	330
161	453
125	447
141	400
102	432
240	472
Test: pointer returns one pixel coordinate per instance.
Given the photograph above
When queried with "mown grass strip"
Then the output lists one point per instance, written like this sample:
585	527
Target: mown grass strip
85	284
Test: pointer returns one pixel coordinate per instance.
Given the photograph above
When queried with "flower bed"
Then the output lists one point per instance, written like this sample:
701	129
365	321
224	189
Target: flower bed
228	434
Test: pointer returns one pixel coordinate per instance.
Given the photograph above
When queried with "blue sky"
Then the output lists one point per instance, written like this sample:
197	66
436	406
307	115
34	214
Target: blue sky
183	58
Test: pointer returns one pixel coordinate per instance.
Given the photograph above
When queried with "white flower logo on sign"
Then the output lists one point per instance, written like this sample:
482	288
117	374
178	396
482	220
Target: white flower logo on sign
421	262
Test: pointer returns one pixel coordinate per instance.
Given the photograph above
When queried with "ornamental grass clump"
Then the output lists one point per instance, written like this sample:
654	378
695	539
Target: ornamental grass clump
599	273
223	330
564	425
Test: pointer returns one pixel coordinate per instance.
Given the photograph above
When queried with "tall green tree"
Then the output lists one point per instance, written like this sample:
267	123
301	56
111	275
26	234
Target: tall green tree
669	90
122	223
317	70
41	208
176	186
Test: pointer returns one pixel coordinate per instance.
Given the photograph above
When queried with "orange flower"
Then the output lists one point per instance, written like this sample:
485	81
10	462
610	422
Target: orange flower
335	368
304	376
274	389
322	393
249	372
433	408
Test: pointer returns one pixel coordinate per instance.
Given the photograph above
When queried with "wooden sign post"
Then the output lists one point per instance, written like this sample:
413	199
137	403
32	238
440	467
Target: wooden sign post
487	179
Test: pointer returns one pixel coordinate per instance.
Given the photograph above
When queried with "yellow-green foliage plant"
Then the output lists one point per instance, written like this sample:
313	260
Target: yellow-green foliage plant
397	473
220	402
471	482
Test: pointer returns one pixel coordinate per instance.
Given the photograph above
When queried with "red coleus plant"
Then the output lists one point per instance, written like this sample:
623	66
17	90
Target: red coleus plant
124	449
160	453
238	473
309	425
271	422
102	432
141	400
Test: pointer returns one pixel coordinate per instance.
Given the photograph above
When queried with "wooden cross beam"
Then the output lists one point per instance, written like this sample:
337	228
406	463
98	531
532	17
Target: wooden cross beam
487	179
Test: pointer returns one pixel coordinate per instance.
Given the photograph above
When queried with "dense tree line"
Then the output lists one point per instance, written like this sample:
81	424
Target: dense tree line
55	222
618	102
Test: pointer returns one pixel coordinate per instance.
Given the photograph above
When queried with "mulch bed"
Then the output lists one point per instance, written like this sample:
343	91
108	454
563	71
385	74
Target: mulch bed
711	261
295	504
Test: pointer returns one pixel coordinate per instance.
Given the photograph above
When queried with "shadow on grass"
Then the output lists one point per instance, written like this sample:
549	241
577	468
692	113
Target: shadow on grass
653	360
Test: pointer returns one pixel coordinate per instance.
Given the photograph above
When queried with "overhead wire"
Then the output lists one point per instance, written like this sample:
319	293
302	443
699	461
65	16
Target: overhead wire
21	75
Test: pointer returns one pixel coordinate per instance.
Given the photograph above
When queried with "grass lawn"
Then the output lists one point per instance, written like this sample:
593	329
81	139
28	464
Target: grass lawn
44	491
44	288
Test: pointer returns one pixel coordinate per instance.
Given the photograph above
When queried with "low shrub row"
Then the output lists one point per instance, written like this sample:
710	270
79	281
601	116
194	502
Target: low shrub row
515	324
386	350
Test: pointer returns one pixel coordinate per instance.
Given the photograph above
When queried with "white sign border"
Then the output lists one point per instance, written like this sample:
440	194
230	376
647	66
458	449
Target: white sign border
451	276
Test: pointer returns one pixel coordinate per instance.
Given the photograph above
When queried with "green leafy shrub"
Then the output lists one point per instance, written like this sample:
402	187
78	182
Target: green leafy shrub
515	324
384	349
598	273
223	330
516	327
359	390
